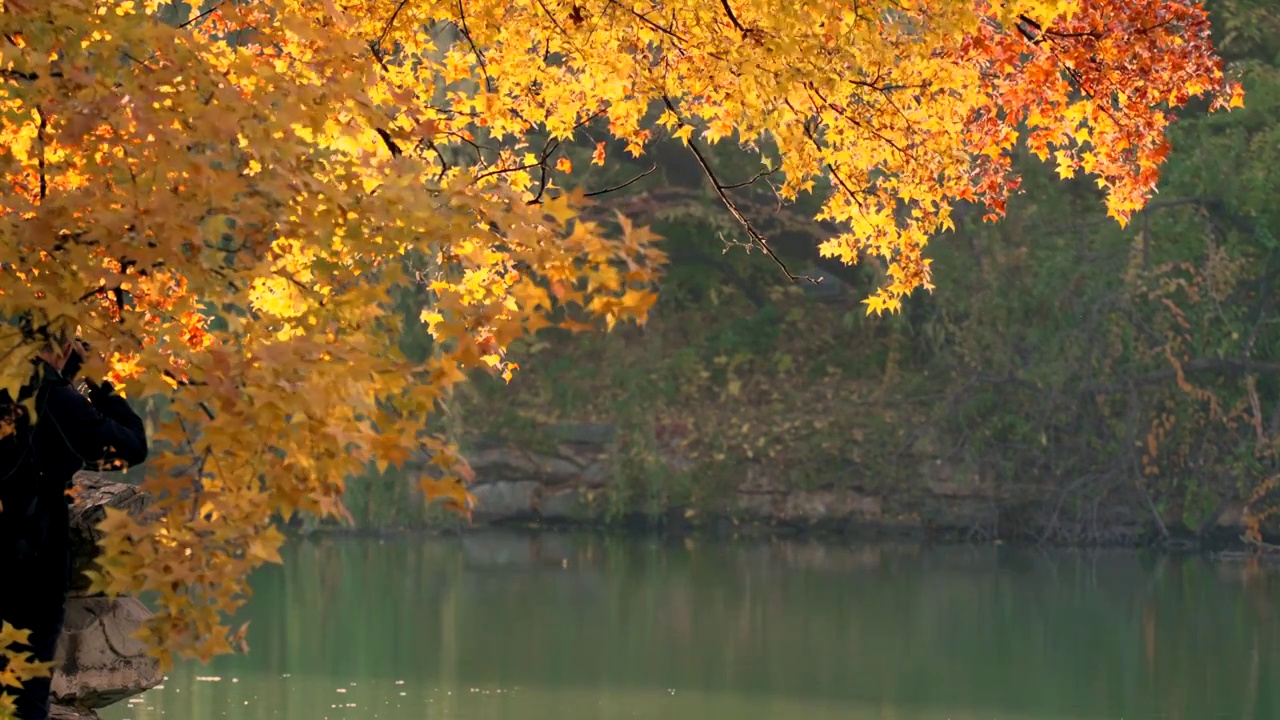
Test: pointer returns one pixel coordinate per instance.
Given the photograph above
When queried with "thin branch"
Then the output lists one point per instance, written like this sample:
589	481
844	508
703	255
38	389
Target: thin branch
28	76
144	64
1193	366
733	18
615	188
303	287
527	166
386	29
44	183
547	11
199	17
841	112
644	19
756	238
444	163
542	170
752	181
466	33
96	291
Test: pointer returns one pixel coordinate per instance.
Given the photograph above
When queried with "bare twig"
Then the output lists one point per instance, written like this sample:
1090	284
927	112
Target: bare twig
197	18
615	188
1220	365
386	29
752	181
757	239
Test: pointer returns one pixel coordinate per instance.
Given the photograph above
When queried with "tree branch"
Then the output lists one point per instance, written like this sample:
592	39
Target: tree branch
44	183
389	142
1234	367
466	33
756	238
386	29
733	18
615	188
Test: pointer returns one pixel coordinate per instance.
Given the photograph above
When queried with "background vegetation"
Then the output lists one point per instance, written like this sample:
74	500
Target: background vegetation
1094	378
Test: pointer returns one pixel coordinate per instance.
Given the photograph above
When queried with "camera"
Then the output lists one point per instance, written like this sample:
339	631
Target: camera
75	361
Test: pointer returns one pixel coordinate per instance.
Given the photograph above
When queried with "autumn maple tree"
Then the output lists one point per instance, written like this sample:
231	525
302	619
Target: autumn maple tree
220	197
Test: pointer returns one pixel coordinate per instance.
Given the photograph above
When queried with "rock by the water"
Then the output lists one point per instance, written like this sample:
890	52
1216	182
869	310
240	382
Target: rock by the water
67	712
506	500
811	505
505	464
94	493
99	663
563	505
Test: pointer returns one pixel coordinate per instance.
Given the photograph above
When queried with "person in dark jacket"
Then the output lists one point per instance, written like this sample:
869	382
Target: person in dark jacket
71	432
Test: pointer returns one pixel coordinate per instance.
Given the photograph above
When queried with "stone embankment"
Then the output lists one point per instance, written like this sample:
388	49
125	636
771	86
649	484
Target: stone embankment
99	662
573	478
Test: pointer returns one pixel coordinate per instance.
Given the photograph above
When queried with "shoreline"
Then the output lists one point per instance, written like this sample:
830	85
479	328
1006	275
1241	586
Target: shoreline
1217	546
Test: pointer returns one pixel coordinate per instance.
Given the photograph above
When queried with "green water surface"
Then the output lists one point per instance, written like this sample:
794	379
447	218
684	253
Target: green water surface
551	627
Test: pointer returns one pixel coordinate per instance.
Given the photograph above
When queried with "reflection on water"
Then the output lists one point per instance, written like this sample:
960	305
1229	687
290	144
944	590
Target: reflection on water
540	627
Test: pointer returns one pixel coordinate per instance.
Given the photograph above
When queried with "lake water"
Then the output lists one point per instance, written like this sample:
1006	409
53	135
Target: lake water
552	627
